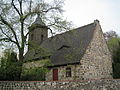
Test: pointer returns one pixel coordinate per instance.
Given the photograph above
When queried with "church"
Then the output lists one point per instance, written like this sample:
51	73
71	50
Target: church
78	54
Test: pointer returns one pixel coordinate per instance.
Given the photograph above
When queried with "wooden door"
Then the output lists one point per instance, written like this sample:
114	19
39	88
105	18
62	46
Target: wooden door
55	74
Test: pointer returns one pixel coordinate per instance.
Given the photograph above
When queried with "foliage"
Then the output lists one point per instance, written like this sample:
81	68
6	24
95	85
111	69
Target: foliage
36	73
10	68
113	43
116	54
116	70
114	46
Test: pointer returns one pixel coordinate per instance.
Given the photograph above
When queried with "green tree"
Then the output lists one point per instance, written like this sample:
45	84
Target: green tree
9	68
114	46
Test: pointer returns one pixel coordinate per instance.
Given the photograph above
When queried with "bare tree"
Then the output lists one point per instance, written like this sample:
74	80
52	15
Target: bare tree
110	34
17	15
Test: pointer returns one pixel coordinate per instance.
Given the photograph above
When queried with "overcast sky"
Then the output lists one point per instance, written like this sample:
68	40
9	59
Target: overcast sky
83	12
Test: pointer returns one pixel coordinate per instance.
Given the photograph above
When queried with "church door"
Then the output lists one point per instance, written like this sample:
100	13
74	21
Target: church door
55	74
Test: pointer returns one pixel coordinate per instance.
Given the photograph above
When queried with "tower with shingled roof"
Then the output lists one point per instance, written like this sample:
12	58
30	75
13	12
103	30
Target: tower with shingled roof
38	32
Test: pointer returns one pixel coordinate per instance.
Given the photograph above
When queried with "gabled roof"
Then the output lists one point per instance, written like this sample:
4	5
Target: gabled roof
68	47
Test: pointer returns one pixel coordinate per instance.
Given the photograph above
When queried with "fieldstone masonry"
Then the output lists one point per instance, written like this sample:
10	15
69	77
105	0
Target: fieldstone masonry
104	84
96	62
37	39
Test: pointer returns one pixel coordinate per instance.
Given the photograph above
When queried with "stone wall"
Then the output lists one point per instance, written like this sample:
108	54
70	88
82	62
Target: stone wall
35	35
97	62
61	85
75	73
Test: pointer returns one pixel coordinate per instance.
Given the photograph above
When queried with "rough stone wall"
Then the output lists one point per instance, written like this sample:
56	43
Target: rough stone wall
37	35
75	72
61	85
95	64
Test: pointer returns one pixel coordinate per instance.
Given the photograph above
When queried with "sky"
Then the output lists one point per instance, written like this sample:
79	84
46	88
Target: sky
82	12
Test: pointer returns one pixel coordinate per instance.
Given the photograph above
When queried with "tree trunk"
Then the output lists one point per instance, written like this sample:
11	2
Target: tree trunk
21	57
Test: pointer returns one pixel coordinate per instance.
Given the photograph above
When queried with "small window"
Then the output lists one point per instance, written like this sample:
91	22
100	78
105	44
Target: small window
42	37
68	72
32	35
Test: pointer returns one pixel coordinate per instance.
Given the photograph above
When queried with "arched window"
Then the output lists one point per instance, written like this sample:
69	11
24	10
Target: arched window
42	37
68	72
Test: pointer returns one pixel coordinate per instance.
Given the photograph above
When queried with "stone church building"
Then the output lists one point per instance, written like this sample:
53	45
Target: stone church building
78	54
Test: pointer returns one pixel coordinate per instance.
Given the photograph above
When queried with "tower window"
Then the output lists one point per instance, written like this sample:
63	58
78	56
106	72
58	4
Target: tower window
68	72
42	37
32	35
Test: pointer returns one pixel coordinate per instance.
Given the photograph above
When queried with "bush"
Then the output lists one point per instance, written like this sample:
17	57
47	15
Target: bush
116	70
9	69
36	74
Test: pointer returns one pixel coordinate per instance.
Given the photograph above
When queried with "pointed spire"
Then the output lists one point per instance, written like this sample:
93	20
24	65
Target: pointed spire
39	21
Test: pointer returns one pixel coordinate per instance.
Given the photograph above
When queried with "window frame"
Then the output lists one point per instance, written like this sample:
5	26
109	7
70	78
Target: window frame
68	72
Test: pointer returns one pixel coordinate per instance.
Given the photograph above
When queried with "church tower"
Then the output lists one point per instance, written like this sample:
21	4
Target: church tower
38	32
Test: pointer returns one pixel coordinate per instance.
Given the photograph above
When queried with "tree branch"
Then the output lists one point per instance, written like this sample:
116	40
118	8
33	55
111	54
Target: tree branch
36	12
20	2
52	8
8	38
15	7
9	26
51	31
51	24
27	34
3	39
30	13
